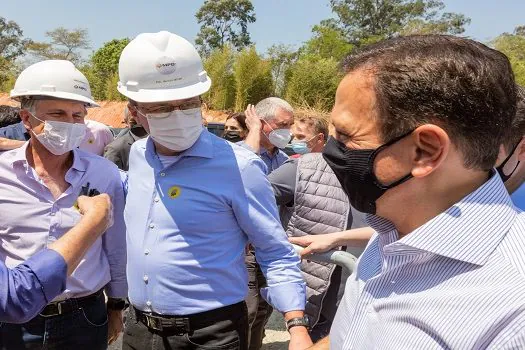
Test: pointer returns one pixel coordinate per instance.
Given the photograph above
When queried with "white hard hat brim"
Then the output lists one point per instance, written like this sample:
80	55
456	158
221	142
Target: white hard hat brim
165	95
55	94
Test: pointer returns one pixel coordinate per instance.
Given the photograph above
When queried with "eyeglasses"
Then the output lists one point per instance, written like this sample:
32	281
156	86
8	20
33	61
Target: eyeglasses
185	107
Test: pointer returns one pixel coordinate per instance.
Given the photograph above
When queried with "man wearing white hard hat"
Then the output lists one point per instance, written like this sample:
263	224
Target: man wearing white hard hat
40	183
194	200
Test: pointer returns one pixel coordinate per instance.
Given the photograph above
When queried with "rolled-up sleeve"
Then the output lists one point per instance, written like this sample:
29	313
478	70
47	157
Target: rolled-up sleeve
256	212
114	242
26	289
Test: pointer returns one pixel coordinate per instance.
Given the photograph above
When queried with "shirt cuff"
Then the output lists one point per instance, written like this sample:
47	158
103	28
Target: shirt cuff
286	297
117	290
51	270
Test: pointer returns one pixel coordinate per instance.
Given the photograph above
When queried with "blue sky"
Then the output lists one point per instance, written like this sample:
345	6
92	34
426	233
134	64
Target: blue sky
278	21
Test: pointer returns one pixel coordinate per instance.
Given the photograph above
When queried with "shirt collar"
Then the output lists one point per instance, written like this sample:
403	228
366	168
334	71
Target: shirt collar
469	231
18	156
203	147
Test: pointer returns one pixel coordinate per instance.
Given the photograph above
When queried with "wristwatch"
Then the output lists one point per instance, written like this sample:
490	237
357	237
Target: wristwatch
298	321
116	304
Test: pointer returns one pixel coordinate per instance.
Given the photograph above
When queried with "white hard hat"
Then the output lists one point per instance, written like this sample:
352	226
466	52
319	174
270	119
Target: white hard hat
159	67
53	78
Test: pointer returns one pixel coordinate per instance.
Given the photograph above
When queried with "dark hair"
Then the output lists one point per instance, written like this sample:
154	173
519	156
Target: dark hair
518	123
240	118
461	85
9	115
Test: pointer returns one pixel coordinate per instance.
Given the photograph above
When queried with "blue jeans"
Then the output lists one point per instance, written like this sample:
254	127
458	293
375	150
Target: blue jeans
82	329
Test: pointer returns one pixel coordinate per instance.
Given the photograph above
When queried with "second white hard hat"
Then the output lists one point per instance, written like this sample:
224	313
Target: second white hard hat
53	78
159	67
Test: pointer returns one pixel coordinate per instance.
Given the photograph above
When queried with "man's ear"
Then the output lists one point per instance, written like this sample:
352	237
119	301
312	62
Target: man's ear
520	150
431	147
24	116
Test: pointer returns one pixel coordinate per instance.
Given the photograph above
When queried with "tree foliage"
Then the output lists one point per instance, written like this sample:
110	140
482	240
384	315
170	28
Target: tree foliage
12	42
219	66
312	82
513	45
64	44
253	78
281	58
327	42
224	21
363	22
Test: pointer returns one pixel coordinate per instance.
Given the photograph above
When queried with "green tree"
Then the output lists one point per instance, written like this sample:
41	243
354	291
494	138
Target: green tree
103	68
513	45
366	21
253	78
224	21
12	42
64	44
327	42
219	66
312	82
281	58
112	93
8	74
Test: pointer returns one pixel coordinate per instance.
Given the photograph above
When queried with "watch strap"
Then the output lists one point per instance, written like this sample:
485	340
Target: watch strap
297	321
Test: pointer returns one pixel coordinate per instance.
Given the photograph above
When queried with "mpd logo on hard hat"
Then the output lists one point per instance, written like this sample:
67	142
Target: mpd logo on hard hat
166	65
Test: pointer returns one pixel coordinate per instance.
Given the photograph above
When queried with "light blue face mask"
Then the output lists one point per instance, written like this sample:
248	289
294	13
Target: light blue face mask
301	146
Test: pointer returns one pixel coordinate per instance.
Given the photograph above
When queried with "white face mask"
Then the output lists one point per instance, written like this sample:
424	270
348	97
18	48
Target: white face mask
177	130
279	137
60	137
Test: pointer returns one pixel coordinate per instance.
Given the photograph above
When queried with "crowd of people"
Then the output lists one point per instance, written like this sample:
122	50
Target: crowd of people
418	171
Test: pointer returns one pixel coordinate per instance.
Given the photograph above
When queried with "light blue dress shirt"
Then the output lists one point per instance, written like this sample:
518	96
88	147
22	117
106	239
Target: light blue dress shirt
456	282
272	161
29	287
518	197
188	225
31	219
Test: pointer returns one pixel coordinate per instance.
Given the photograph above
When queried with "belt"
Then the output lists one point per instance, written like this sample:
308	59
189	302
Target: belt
69	305
181	325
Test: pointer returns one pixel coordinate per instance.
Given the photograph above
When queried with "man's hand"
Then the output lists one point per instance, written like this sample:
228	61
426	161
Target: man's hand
315	243
253	122
115	324
323	344
97	208
299	339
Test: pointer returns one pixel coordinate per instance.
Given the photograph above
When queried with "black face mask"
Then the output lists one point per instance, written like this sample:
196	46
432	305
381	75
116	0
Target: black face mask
502	165
354	169
232	136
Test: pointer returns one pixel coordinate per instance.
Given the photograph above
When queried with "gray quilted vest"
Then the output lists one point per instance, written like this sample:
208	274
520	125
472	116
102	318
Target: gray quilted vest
320	207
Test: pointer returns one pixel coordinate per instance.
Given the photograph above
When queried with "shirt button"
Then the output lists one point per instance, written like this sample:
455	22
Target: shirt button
145	278
162	174
146	252
52	213
156	200
151	226
148	303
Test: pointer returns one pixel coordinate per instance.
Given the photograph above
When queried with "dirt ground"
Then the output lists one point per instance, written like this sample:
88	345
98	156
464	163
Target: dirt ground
276	335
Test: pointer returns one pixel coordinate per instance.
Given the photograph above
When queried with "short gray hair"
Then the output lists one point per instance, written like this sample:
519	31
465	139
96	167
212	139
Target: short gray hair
267	108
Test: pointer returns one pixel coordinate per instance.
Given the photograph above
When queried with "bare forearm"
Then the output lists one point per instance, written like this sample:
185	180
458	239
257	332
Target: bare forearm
76	242
8	144
323	344
357	237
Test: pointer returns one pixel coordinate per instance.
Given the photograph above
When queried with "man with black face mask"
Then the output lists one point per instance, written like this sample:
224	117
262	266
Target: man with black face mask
512	152
418	124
